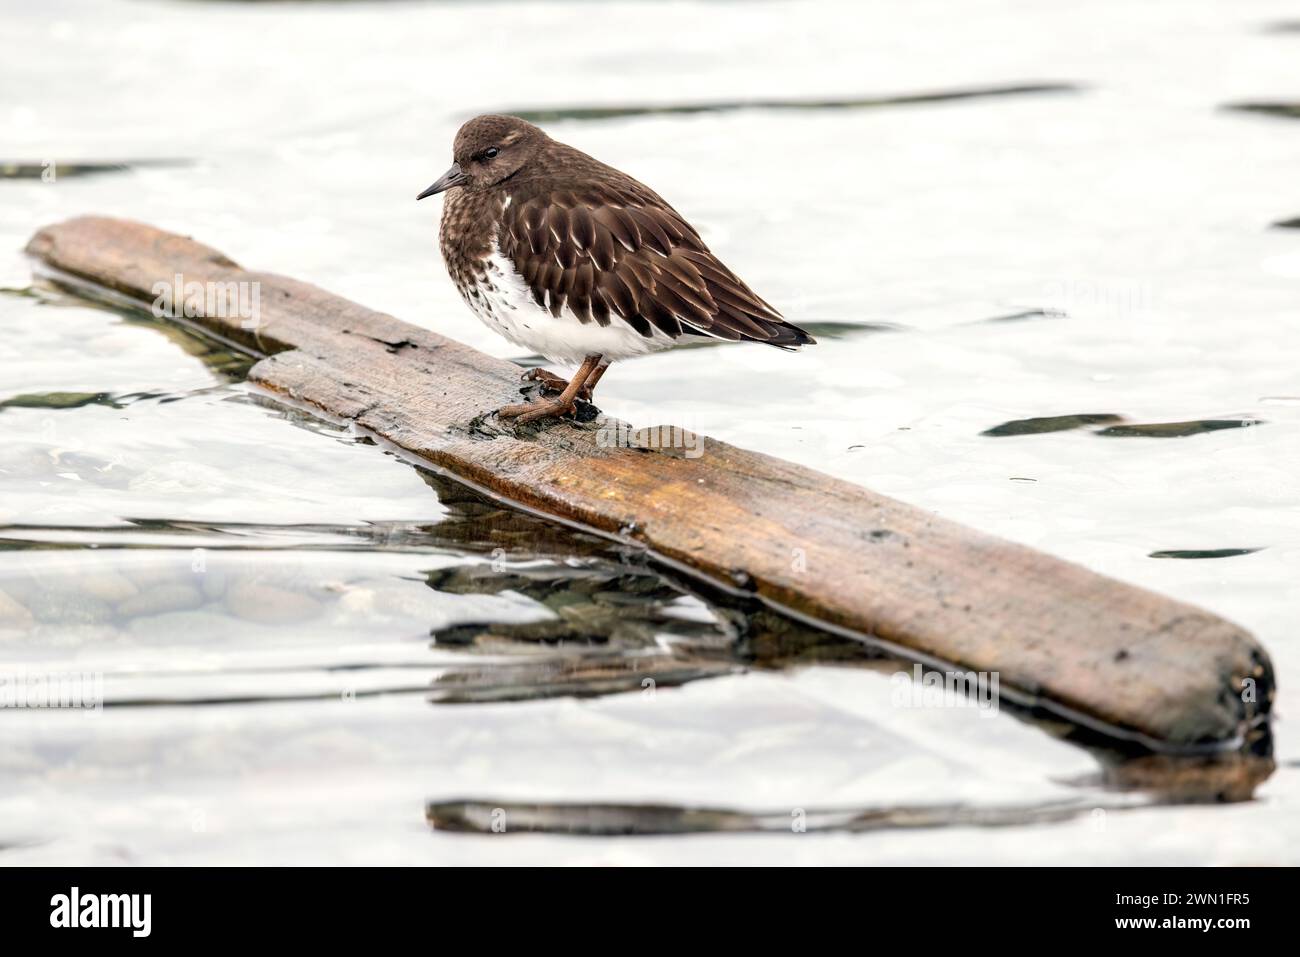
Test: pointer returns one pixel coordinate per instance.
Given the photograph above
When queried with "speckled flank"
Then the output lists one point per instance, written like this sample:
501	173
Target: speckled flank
568	257
501	299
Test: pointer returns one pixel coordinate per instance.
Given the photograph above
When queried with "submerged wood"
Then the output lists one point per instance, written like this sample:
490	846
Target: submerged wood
1162	675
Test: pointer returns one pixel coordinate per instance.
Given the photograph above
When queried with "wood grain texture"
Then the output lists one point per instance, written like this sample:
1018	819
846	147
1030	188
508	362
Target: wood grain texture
1165	674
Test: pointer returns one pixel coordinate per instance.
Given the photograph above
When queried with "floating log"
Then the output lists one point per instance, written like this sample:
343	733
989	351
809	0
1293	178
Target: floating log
1163	676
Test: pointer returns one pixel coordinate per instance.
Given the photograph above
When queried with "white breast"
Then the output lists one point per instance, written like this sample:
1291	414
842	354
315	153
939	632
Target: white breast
505	304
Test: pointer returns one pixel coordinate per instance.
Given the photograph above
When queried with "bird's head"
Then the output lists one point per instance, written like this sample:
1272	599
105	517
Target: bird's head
488	150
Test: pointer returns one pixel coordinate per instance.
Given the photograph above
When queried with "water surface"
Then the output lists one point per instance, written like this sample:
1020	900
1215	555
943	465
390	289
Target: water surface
312	650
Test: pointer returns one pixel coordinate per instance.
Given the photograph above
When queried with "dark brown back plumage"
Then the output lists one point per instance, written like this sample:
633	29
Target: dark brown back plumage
586	236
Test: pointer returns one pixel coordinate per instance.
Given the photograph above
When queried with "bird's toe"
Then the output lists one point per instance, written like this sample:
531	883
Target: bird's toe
532	411
549	381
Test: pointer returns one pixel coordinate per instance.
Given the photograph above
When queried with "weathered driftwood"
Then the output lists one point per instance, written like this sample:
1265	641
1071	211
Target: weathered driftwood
1168	676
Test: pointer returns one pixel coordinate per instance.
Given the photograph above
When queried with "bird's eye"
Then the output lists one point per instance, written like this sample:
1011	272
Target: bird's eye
491	152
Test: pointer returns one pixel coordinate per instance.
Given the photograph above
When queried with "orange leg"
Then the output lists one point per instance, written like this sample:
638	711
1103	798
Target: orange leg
527	412
551	382
589	387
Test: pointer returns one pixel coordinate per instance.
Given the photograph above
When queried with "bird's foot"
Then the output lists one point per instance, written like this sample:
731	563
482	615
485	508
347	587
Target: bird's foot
550	382
526	412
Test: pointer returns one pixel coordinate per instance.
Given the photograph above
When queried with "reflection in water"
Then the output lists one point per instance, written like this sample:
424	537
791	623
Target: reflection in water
54	170
65	400
593	820
556	113
1153	430
1052	423
1284	109
1178	430
1027	315
1203	552
219	358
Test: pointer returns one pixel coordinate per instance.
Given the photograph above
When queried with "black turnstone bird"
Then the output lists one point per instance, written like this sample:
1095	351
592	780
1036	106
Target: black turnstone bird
571	259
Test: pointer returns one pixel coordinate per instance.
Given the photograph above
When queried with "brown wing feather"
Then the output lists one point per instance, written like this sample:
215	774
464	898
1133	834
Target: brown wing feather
622	253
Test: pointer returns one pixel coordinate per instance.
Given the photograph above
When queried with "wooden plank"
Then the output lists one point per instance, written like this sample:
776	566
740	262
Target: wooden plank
1161	674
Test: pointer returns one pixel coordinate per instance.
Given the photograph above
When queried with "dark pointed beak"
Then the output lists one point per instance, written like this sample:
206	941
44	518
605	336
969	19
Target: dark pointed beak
453	177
